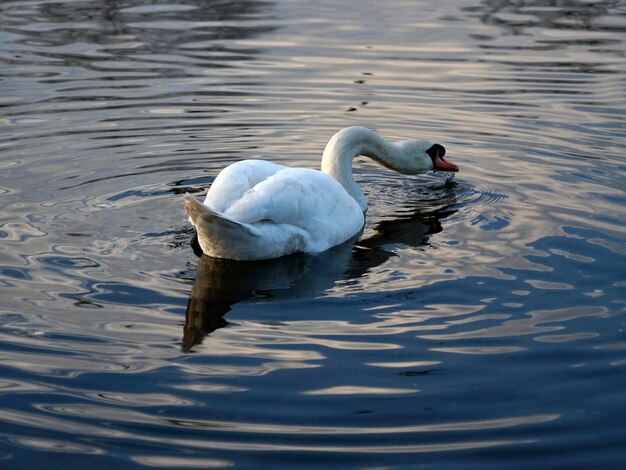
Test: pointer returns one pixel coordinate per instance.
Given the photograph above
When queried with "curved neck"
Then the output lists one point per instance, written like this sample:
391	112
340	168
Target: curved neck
351	142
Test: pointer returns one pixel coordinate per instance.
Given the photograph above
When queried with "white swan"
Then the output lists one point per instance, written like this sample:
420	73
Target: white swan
259	210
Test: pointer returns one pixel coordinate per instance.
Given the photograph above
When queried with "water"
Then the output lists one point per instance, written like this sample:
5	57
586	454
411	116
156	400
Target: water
447	176
476	323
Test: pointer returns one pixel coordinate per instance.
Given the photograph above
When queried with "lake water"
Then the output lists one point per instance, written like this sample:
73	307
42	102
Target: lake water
475	324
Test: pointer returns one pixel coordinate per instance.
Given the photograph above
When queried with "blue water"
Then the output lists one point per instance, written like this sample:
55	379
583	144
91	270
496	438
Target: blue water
477	323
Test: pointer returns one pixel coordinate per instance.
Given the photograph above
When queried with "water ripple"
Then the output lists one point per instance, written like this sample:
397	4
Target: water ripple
462	300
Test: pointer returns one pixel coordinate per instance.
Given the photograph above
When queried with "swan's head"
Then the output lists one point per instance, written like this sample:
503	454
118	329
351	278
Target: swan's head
436	153
425	155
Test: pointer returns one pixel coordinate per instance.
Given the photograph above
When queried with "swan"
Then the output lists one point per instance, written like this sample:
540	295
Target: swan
259	210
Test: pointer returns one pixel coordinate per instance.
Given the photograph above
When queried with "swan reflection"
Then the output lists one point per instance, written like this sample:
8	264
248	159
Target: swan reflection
221	283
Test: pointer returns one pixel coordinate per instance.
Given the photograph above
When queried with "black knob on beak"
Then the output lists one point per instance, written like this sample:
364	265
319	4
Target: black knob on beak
436	151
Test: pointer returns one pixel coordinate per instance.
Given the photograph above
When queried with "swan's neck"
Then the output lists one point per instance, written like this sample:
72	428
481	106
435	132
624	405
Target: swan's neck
351	142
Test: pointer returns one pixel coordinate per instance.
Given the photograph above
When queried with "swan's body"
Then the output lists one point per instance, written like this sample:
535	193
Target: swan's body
259	210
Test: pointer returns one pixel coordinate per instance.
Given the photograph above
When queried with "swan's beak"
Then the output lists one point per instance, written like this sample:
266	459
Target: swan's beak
444	165
436	153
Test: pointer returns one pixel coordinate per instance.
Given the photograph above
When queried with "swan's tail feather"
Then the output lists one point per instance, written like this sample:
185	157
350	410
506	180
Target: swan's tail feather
200	212
218	235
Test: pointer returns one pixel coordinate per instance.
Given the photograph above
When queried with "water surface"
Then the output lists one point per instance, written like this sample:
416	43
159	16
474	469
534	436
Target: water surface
475	324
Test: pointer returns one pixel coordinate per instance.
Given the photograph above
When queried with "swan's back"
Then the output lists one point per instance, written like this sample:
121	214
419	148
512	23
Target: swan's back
272	210
234	180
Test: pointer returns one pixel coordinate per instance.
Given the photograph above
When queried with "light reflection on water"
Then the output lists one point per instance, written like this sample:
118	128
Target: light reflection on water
476	322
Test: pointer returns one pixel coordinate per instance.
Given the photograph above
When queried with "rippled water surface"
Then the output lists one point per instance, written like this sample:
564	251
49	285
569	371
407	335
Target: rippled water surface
476	323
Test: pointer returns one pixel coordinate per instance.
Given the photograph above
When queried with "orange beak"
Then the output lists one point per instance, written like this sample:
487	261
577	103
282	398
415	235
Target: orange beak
436	153
444	165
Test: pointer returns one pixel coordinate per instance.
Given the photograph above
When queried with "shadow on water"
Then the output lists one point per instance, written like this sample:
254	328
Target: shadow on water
221	283
111	18
515	16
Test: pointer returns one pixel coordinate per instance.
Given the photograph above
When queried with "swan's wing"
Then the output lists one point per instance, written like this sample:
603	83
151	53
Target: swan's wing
303	198
235	180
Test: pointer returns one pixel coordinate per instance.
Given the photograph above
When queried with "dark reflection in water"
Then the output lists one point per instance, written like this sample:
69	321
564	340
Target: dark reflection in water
219	283
99	22
516	16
